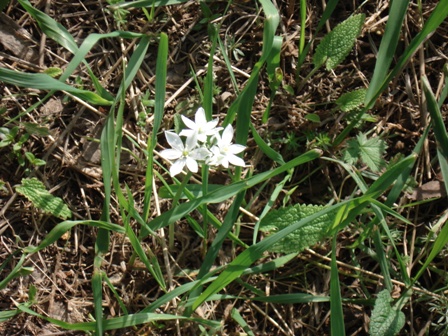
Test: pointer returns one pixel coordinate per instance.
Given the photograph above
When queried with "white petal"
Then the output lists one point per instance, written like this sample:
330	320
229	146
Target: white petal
199	118
187	132
177	167
236	148
235	160
201	154
189	123
227	135
174	140
171	154
210	126
192	165
191	142
224	161
202	137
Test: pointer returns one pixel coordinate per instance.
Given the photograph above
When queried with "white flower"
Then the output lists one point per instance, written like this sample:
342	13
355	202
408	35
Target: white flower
224	151
185	155
200	126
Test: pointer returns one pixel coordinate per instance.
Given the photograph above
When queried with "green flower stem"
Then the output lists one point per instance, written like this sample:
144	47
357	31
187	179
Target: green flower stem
205	170
175	202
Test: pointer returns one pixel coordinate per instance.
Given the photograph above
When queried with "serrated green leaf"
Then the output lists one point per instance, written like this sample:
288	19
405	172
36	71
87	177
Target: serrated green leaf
35	191
338	43
370	151
385	320
351	100
306	236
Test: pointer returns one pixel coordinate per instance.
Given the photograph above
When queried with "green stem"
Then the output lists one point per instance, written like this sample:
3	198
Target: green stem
175	202
205	170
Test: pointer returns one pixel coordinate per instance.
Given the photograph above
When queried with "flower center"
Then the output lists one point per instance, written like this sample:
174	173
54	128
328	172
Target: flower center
185	153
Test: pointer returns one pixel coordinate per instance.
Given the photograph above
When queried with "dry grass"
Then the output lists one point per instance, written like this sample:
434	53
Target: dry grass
62	274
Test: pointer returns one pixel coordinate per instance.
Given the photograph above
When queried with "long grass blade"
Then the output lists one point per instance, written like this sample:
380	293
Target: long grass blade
161	70
387	47
337	314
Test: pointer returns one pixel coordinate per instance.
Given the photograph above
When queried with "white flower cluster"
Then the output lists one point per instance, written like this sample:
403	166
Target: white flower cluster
203	144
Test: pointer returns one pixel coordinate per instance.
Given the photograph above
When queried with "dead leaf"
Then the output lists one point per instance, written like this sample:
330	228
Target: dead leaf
12	37
431	189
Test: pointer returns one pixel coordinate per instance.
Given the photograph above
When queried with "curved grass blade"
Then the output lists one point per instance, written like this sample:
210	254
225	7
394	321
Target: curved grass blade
236	316
147	3
64	227
50	27
292	298
388	45
120	322
43	81
161	71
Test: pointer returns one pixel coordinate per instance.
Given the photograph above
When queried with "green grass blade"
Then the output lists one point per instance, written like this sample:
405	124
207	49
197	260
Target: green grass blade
292	298
439	244
337	314
51	28
43	81
126	321
440	132
389	177
222	234
97	288
161	73
437	121
268	151
236	316
64	227
15	272
147	3
388	46
275	74
207	102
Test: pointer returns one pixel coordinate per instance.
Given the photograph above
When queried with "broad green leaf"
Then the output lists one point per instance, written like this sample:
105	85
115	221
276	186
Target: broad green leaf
351	100
306	236
338	43
370	151
385	320
35	191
